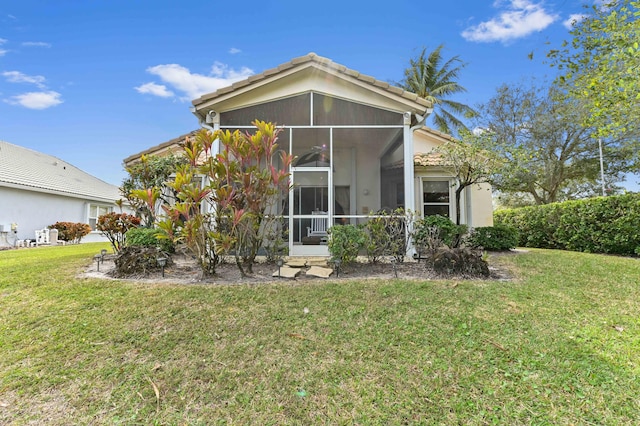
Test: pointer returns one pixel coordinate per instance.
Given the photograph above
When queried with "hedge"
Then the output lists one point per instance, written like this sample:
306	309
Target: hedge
595	225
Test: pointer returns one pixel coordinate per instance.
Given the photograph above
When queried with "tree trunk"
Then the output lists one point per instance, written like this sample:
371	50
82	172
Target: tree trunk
458	196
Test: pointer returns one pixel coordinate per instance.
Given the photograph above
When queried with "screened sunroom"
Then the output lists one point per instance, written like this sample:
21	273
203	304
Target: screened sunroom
350	135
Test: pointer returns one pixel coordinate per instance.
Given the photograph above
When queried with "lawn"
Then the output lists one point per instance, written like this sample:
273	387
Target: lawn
559	344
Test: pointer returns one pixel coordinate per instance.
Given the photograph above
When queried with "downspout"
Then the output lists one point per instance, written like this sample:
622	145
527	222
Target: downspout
409	167
211	118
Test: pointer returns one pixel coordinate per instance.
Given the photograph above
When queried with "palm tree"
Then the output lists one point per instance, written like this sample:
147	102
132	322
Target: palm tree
435	81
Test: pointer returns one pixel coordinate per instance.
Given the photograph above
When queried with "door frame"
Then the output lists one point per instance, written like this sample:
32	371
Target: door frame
297	248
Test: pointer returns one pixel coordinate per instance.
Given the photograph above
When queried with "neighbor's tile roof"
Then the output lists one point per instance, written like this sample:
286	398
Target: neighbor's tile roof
322	62
429	159
32	170
165	147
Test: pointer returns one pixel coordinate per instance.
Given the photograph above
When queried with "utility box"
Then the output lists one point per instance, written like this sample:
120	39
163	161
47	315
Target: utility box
53	237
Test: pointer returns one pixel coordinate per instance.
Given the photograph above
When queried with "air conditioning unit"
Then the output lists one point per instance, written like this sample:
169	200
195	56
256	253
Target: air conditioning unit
2	227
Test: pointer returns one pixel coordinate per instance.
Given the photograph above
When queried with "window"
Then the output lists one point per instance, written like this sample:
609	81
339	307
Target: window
436	197
96	211
293	111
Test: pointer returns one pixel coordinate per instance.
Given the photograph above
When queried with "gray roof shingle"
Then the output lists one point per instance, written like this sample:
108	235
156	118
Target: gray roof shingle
32	170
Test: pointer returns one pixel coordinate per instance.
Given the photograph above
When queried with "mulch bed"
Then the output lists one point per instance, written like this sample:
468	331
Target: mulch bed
185	271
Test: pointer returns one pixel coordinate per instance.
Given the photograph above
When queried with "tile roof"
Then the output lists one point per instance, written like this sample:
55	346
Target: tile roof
321	62
168	147
31	170
429	159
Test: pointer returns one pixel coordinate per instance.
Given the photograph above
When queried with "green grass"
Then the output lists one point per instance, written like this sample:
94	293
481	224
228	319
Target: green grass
559	344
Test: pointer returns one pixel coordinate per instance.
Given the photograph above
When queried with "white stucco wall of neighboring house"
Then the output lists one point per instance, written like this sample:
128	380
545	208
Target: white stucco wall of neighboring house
32	211
38	190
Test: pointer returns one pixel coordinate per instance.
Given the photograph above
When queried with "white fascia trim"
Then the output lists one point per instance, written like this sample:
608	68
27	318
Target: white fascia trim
283	74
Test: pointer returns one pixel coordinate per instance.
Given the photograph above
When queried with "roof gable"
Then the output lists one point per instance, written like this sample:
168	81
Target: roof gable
31	170
310	73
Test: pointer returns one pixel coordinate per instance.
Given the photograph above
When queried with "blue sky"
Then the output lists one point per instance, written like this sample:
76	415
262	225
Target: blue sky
93	82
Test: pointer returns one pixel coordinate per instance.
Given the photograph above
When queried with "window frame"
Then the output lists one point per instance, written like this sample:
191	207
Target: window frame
449	203
98	206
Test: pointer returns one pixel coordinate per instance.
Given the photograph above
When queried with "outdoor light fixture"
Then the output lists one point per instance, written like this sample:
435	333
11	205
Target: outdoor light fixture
279	262
162	261
103	253
97	258
394	263
337	263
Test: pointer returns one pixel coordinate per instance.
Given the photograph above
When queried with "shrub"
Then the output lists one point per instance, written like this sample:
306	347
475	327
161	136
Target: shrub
435	231
499	237
148	237
276	240
114	226
596	225
132	260
345	241
71	231
459	261
385	235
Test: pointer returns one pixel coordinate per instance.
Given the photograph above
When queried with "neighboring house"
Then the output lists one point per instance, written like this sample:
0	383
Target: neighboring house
361	145
38	190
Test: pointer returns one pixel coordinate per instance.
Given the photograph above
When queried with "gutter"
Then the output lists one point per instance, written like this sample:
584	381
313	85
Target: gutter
210	119
421	119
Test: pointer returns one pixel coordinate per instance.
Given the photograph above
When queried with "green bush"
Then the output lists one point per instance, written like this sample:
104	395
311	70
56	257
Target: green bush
148	237
498	237
345	241
596	225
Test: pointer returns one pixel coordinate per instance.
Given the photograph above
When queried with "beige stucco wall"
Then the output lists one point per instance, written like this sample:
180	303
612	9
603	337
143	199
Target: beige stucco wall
476	203
481	205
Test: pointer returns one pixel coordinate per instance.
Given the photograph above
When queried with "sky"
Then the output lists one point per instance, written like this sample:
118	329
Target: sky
95	81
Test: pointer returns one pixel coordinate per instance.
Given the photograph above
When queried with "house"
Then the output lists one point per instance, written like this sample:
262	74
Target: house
361	145
38	190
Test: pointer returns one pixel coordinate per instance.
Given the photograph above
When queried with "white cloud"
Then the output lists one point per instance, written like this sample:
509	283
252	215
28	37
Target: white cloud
36	100
36	44
155	89
194	85
3	52
521	18
3	40
18	77
234	50
573	19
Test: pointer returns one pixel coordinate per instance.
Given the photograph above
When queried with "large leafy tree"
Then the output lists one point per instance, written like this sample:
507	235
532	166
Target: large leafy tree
469	161
548	153
434	78
144	187
601	66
